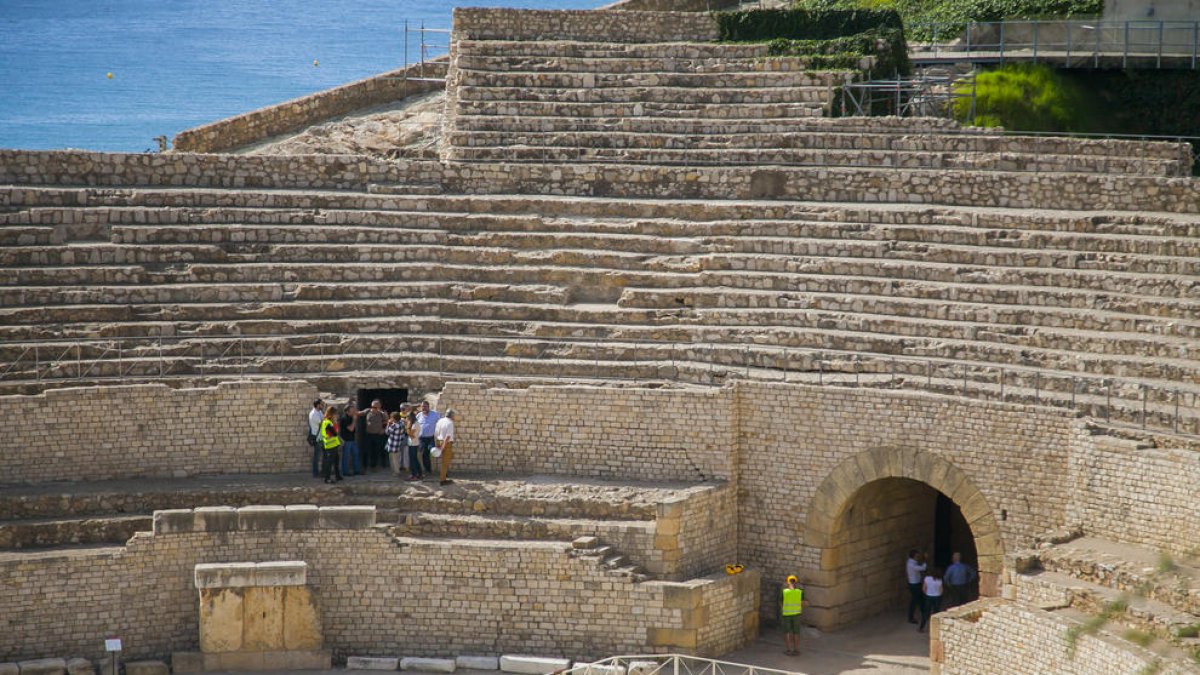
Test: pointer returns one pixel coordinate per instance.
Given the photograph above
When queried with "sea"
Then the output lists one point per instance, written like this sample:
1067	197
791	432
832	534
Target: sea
112	75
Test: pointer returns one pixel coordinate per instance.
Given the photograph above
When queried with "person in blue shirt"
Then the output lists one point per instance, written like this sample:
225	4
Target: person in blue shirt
427	419
959	577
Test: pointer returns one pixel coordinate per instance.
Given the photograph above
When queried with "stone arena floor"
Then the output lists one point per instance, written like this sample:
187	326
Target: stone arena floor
884	645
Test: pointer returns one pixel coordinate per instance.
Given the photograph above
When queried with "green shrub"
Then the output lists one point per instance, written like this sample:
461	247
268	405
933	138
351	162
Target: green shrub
958	13
802	24
1025	97
885	44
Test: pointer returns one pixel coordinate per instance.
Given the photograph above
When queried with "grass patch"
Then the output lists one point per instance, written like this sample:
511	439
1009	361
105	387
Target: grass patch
1025	97
1094	624
1166	564
1152	668
1188	631
1139	637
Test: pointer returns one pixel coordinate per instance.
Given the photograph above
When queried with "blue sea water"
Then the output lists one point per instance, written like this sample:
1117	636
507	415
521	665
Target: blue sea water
176	64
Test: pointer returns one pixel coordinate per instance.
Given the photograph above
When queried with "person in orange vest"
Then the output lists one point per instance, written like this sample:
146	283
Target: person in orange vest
792	605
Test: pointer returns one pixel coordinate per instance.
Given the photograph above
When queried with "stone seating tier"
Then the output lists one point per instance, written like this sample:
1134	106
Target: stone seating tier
1065	292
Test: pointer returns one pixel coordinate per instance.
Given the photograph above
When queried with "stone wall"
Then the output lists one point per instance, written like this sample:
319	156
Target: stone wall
972	639
671	5
473	23
832	184
99	433
806	452
598	432
334	172
282	118
707	532
375	593
1129	493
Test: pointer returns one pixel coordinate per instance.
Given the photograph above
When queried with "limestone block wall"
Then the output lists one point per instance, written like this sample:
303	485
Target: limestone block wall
707	533
473	23
258	125
834	184
98	433
374	592
806	451
671	5
972	639
336	172
1134	494
601	432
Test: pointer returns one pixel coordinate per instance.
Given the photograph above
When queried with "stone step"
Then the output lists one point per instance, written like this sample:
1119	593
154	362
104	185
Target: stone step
404	188
666	97
728	79
791	136
1055	589
1170	579
199	205
610	50
469	59
518	149
42	533
870	126
553	501
691	111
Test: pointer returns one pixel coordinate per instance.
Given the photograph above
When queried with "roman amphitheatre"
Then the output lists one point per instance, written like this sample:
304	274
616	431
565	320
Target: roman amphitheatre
688	317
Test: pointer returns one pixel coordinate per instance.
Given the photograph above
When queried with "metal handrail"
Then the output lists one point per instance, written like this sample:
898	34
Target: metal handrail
673	664
1133	43
1153	405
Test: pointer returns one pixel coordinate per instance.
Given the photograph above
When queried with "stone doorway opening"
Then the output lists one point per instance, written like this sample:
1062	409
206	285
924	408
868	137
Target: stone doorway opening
389	397
880	523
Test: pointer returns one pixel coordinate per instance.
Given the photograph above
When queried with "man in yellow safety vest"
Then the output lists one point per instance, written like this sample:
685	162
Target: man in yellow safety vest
793	605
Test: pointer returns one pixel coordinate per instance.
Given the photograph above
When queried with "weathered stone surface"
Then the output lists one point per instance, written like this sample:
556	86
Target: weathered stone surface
430	665
302	629
173	521
225	575
186	662
221	620
478	662
372	663
78	666
43	667
347	517
261	518
643	667
281	573
263	618
532	665
215	519
301	517
9	669
146	668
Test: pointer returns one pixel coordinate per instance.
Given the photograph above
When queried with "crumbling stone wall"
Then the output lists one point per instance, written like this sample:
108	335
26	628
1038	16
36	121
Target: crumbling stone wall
258	125
375	592
152	430
974	638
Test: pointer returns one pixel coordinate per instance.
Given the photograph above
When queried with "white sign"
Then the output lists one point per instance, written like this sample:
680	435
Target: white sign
112	645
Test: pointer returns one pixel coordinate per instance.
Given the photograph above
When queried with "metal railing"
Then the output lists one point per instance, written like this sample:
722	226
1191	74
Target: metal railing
671	664
1070	43
517	357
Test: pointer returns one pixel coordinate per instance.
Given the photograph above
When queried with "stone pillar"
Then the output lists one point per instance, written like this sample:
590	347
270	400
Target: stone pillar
255	616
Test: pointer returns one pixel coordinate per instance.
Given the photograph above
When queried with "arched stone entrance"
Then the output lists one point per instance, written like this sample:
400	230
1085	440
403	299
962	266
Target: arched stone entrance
875	506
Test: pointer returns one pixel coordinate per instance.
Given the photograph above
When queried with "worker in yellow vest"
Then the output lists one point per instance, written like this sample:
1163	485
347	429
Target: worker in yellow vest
331	442
793	605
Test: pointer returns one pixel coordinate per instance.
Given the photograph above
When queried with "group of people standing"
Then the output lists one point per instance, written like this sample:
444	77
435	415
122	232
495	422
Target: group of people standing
927	585
352	442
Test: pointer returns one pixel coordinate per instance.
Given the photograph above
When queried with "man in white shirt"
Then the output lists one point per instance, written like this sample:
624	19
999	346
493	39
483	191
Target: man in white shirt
444	436
914	570
315	416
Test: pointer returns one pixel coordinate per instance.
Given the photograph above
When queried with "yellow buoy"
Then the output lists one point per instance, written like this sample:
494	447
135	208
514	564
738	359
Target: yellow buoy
109	76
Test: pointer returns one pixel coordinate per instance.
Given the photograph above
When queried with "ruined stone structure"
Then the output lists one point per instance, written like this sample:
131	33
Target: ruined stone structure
748	331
